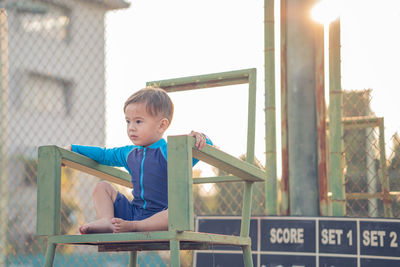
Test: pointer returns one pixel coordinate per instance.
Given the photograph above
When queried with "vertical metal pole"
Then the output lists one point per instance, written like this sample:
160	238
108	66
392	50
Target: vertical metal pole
387	201
371	175
4	145
321	120
270	116
335	173
284	205
302	122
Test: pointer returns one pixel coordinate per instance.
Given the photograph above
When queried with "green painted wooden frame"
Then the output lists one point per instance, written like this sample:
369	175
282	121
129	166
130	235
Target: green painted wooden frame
180	234
181	150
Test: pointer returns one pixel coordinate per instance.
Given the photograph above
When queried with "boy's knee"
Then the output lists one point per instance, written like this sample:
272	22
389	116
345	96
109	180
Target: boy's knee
102	187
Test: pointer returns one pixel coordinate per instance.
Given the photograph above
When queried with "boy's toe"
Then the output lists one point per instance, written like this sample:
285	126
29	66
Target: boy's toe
115	220
83	229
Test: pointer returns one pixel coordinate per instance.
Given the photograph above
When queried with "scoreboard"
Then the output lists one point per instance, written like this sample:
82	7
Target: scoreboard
305	241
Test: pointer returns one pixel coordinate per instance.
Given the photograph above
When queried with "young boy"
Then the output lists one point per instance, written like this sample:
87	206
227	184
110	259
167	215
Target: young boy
148	114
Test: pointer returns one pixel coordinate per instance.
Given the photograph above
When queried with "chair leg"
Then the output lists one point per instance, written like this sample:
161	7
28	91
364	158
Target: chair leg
50	253
133	259
247	257
174	247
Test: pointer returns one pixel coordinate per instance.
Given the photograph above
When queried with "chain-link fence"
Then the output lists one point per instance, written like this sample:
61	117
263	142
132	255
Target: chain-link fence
371	163
52	91
226	198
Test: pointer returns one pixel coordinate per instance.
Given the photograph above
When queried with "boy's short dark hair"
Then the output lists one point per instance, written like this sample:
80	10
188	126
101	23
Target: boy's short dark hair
156	100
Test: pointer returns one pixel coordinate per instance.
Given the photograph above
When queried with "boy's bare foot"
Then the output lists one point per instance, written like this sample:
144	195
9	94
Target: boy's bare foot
100	226
121	225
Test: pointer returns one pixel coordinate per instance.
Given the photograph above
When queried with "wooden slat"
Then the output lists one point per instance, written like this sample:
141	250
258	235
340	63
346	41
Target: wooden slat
121	179
201	85
49	191
50	159
216	179
246	209
228	163
150	246
180	184
156	236
99	239
204	81
87	165
213	238
251	116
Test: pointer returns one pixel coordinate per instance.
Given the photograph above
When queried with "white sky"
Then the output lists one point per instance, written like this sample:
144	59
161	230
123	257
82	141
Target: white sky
163	39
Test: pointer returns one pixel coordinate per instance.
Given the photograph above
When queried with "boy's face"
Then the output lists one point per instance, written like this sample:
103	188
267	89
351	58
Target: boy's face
142	128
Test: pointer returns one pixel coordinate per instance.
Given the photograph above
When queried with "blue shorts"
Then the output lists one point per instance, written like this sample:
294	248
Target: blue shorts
124	209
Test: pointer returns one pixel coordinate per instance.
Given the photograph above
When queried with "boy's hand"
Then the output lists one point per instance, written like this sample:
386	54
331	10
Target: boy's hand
200	139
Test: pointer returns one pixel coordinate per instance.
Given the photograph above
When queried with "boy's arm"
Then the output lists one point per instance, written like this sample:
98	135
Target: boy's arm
112	157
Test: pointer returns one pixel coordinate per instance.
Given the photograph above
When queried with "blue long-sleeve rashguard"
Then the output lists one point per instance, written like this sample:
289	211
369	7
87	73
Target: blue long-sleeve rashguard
148	169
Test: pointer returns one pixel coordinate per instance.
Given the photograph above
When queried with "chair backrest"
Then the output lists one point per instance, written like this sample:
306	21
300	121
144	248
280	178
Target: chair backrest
180	178
217	80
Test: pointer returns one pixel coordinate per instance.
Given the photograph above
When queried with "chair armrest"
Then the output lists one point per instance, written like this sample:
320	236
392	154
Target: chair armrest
87	165
217	158
50	160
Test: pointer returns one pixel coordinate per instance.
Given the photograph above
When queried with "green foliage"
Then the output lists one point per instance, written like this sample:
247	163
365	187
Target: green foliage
68	209
29	168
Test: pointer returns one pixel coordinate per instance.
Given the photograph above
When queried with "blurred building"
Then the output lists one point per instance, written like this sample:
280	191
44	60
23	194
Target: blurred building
56	66
52	92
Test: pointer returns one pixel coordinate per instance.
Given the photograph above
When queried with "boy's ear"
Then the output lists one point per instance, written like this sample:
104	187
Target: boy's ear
164	124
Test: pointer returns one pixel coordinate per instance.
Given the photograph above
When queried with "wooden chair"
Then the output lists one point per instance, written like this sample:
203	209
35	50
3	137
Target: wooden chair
180	234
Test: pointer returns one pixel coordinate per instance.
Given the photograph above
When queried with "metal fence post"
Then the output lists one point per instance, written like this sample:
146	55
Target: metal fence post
321	120
387	200
4	146
284	206
335	173
270	110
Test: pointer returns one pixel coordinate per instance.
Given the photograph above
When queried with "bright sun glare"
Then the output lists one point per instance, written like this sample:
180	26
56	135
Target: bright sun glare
326	11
